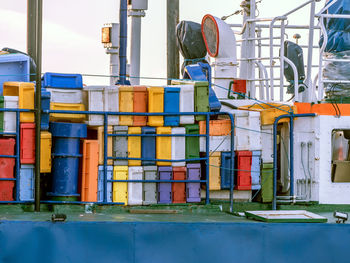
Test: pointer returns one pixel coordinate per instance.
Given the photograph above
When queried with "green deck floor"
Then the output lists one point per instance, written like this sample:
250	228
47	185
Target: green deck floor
217	212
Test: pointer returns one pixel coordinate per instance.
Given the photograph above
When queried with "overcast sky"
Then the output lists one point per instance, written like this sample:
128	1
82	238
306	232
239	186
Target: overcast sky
72	30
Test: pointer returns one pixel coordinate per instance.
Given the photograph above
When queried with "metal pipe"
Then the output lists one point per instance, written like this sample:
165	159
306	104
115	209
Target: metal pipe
38	103
18	154
307	94
320	62
277	26
207	126
291	140
282	58
123	37
173	69
105	144
31	28
295	73
232	177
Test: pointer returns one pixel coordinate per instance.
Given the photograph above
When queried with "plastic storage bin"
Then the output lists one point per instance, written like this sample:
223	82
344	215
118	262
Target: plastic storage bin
66	95
225	170
14	67
126	104
148	146
7	147
179	189
267	143
216	143
214	171
178	146
101	186
192	143
134	146
163	145
243	164
201	98
27	148
120	189
150	194
193	190
186	103
155	104
120	145
102	98
25	93
255	170
140	104
9	121
171	104
216	127
267	183
45	152
66	155
100	138
26	182
64	81
135	192
66	116
45	105
164	189
89	171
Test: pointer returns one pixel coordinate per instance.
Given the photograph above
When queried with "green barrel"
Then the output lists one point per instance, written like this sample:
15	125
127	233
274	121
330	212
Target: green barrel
192	143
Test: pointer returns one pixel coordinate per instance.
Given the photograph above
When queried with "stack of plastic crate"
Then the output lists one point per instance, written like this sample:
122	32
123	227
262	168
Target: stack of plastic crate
65	93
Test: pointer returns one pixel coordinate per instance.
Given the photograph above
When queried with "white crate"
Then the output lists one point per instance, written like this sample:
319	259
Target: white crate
216	143
186	103
10	102
178	146
135	192
102	98
66	95
267	143
247	131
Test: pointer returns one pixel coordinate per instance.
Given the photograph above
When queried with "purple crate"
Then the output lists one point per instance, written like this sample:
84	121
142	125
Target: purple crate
193	190
164	189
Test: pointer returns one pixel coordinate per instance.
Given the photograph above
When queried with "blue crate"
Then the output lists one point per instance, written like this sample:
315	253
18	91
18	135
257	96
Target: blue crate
45	105
255	170
100	184
14	67
171	104
225	172
26	182
148	145
63	81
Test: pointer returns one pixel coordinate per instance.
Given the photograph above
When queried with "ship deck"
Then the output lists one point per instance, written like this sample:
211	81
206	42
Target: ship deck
172	233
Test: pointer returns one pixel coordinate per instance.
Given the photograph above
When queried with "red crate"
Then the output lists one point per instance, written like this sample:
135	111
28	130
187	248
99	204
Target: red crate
243	166
7	147
179	189
27	143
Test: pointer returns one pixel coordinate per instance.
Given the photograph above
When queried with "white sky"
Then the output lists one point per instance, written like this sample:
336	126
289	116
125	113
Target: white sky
72	30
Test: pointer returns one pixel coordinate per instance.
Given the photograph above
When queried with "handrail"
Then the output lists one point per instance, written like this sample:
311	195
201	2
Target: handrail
296	79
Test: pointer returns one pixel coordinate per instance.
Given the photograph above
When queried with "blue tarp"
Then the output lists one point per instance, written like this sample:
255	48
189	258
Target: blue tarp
172	242
338	29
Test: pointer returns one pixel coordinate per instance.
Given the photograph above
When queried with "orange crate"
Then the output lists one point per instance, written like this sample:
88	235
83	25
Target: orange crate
216	127
140	105
89	171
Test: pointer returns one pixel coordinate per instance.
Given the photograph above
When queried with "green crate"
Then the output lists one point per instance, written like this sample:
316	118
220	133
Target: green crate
192	143
201	98
267	183
1	114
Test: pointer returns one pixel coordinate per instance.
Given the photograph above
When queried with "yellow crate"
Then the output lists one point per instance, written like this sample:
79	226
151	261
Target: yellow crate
155	104
25	93
120	189
134	146
214	171
270	111
100	138
66	116
163	145
126	104
45	152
